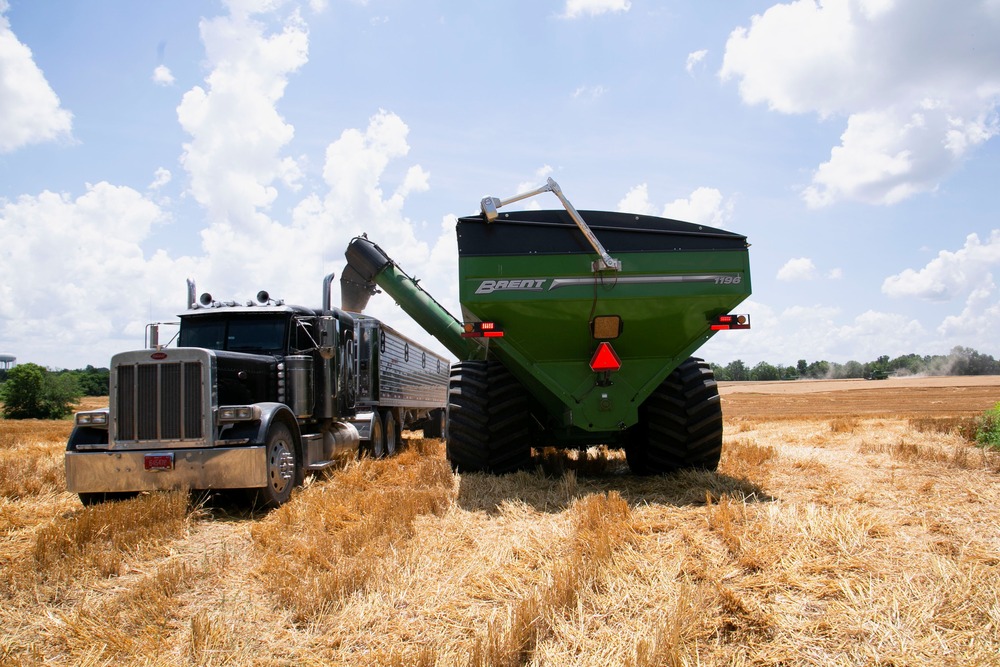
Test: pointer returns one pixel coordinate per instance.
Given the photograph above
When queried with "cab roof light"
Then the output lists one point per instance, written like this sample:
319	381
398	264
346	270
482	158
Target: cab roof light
605	359
727	322
481	330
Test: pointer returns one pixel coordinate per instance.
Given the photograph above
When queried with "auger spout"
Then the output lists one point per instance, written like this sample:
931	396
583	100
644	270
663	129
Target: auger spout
369	266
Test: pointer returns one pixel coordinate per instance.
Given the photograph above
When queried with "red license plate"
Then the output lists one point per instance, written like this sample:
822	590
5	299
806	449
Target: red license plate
159	461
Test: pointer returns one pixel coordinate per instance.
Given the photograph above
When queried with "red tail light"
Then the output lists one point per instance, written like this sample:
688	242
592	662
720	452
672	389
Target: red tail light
727	322
481	330
605	359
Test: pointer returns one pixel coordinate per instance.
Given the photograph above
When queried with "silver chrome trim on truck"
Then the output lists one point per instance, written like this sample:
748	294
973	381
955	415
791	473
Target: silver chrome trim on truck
217	468
162	397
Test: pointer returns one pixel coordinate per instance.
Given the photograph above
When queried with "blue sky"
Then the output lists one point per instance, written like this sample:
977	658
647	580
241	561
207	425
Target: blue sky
243	143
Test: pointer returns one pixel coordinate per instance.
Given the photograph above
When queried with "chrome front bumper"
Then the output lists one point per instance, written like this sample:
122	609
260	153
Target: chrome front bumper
215	468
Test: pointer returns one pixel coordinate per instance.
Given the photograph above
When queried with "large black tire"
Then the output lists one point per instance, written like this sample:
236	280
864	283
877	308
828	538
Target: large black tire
376	445
283	470
490	427
436	424
680	424
393	432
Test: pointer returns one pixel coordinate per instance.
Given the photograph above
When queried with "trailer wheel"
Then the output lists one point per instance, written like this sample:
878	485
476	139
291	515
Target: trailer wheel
282	467
393	433
489	421
376	446
680	424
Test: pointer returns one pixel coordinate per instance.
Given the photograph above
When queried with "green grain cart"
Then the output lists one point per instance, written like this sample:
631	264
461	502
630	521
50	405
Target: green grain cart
577	329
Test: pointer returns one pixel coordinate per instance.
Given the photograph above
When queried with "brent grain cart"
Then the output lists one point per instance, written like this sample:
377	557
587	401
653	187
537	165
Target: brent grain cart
577	329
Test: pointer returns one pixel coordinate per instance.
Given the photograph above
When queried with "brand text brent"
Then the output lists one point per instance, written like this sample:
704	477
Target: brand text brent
525	285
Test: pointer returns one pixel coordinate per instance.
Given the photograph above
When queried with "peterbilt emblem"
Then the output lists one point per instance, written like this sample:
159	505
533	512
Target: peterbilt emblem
523	285
159	356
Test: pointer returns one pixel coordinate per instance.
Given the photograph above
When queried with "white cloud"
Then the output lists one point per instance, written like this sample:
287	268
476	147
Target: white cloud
976	325
705	206
234	161
950	274
30	109
873	333
835	274
817	332
576	8
693	59
589	92
797	269
160	178
918	81
637	201
102	291
162	76
537	180
233	157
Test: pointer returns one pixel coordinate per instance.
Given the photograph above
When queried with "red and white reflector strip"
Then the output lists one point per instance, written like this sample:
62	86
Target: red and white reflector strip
481	330
727	322
605	359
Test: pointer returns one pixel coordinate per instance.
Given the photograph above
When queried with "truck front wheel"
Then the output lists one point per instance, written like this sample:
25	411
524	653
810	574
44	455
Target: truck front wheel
282	467
680	424
489	419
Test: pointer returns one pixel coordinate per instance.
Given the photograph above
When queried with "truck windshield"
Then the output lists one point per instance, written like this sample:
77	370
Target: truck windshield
243	334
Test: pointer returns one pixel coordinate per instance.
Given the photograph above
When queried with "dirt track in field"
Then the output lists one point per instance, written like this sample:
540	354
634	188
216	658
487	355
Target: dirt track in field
894	397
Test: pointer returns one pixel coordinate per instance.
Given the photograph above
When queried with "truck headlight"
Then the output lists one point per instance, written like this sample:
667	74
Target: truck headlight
237	413
91	419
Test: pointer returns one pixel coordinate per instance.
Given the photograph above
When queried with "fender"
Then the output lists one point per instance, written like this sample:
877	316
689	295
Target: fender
88	435
256	431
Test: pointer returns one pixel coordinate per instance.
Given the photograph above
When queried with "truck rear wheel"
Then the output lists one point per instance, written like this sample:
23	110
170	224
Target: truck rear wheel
393	432
489	422
282	467
376	445
680	424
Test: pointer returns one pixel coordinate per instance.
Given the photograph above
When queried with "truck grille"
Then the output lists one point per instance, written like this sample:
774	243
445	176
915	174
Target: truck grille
159	401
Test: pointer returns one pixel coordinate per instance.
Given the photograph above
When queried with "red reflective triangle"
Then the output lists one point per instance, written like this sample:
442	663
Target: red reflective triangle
605	359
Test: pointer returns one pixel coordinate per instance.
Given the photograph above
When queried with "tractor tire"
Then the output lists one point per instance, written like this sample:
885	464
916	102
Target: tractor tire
490	427
680	424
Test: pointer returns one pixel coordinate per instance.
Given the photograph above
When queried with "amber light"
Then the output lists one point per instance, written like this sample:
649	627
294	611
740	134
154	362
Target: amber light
606	327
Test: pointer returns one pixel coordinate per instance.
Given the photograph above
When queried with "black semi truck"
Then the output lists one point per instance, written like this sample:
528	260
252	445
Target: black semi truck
253	396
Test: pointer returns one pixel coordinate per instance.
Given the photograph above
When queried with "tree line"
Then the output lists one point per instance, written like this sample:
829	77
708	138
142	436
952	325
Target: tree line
960	361
29	391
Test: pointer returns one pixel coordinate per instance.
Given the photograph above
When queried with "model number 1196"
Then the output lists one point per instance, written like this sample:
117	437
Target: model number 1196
728	280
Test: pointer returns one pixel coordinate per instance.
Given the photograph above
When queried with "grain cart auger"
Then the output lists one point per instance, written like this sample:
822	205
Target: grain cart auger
578	329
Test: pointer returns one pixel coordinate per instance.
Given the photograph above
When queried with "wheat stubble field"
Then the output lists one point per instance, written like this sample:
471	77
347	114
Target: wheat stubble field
849	524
